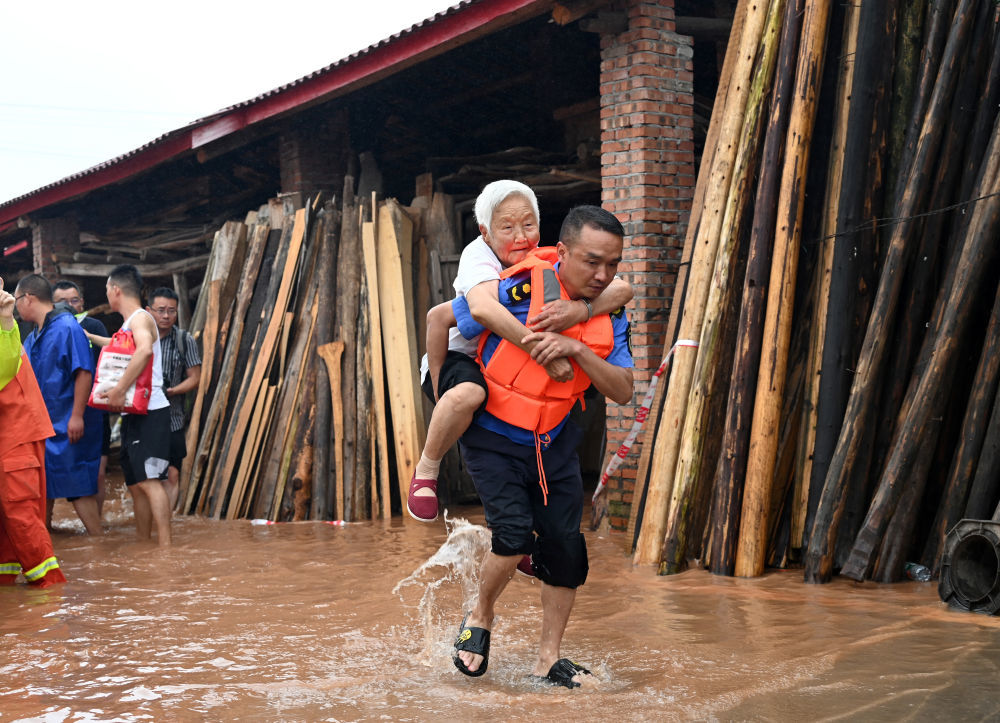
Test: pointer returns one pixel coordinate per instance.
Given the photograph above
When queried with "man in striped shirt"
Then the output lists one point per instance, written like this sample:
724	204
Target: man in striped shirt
181	374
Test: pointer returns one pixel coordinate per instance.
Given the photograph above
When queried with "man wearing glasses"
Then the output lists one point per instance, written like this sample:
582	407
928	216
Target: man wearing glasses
68	295
181	374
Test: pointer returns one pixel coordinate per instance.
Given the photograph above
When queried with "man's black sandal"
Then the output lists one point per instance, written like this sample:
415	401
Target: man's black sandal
472	640
562	672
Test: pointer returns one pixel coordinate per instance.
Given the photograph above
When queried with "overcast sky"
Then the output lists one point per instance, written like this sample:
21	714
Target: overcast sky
84	82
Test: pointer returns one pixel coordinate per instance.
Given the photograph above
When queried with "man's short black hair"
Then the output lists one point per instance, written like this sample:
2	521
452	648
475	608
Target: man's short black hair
65	285
593	216
163	292
36	285
127	278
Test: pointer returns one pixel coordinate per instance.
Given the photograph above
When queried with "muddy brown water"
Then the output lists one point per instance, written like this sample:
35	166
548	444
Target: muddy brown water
312	622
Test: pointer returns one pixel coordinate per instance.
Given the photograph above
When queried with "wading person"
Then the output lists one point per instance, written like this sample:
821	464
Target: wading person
69	294
145	437
507	214
25	545
64	366
521	451
181	374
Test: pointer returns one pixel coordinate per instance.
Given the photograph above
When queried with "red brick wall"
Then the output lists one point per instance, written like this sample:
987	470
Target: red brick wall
50	239
648	176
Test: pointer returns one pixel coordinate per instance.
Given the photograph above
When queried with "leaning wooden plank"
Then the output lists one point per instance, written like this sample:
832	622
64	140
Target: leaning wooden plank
331	354
260	367
368	242
191	439
321	447
199	445
276	453
302	358
394	235
350	271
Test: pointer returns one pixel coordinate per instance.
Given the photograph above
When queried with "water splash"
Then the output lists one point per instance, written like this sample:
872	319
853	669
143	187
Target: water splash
459	556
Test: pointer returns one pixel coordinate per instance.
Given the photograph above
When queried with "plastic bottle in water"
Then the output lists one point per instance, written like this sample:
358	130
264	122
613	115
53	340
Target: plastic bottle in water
916	571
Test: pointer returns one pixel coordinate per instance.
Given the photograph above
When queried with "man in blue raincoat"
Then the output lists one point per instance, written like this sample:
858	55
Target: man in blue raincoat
60	355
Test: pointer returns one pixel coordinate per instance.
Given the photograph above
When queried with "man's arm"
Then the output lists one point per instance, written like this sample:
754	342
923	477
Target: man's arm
144	333
612	381
82	382
561	314
486	309
192	376
97	340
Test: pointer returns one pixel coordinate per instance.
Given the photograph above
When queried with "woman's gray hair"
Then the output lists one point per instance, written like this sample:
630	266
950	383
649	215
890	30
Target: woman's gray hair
496	193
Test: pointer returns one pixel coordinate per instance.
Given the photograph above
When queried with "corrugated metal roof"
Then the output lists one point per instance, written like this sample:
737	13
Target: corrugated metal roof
178	134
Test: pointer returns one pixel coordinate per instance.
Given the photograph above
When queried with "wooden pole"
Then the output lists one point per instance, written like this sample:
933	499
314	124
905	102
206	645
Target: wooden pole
752	546
978	249
864	386
719	301
824	269
680	287
824	506
727	498
963	464
666	447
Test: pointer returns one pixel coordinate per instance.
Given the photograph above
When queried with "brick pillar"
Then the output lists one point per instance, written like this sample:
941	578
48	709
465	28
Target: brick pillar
52	238
314	155
648	176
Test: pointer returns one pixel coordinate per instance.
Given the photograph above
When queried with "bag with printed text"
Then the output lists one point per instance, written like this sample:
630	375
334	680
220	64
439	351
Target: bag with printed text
115	357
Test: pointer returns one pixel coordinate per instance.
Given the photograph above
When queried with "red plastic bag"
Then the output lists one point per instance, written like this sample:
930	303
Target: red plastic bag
115	357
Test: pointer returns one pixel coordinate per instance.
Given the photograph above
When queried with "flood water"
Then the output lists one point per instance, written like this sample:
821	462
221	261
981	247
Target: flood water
313	622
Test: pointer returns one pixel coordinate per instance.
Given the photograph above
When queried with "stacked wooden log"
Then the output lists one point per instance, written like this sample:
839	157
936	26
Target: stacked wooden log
838	408
306	319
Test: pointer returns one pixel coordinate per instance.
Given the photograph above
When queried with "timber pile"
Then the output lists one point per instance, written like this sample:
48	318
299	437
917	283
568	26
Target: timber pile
306	319
841	408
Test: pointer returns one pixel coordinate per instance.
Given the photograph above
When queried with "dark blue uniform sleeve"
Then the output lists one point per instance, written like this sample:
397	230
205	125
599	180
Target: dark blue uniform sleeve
621	353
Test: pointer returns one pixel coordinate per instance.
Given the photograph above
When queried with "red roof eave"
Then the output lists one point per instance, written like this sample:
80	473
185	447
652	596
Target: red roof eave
433	36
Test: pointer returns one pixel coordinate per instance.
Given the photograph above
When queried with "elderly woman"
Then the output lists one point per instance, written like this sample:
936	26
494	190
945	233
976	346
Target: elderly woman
507	214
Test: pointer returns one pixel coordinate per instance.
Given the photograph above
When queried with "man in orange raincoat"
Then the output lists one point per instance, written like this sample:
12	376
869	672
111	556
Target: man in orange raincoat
25	545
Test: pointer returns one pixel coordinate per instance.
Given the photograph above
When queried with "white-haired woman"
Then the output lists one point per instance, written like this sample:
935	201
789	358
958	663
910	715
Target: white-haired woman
507	214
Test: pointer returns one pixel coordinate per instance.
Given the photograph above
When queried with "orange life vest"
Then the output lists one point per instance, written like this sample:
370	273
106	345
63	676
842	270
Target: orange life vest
521	393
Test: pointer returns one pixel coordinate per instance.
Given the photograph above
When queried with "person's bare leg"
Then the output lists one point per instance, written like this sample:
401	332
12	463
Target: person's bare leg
494	575
143	514
159	508
101	492
557	604
86	509
171	486
452	415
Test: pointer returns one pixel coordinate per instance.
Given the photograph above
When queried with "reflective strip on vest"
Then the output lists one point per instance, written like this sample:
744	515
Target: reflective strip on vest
41	570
